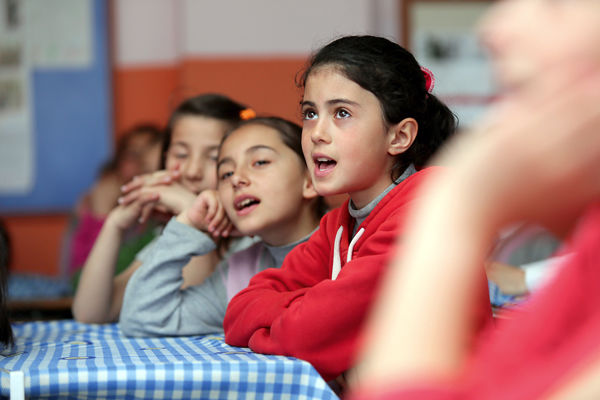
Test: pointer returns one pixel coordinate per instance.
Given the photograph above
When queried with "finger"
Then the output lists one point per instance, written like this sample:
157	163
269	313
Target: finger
159	178
130	197
212	208
215	225
135	183
227	231
224	227
141	181
147	203
196	213
219	219
165	176
146	212
175	175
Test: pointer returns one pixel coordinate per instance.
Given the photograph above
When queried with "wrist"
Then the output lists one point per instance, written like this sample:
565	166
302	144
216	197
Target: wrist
183	218
114	223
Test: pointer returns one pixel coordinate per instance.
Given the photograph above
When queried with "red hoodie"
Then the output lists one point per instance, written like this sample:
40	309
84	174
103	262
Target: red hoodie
314	306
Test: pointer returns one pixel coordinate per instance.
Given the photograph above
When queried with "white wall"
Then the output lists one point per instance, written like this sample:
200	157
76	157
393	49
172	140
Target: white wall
145	31
161	31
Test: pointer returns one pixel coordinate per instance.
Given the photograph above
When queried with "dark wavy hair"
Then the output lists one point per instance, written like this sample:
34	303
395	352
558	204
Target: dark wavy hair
290	134
210	105
394	76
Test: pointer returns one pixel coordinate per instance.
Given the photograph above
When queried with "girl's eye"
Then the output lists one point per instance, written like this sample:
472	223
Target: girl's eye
212	155
178	154
261	162
225	175
342	113
309	114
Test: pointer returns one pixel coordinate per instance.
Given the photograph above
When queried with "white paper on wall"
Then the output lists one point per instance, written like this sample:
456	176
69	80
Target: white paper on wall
16	139
444	39
59	33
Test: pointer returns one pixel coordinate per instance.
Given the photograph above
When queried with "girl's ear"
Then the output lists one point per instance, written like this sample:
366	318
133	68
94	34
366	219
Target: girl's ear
308	189
402	135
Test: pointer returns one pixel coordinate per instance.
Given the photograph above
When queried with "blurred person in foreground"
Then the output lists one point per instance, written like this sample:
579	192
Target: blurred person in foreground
536	157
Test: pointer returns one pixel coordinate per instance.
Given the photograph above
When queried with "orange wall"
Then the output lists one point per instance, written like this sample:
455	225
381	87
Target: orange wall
142	95
267	85
149	93
36	242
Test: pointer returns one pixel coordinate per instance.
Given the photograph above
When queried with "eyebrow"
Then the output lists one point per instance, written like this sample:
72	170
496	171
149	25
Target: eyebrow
184	144
248	151
224	161
330	102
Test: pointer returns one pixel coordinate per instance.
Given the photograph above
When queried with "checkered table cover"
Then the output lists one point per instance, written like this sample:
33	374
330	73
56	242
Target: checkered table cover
67	359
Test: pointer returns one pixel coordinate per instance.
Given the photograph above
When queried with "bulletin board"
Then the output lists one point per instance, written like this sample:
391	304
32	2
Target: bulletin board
442	34
52	155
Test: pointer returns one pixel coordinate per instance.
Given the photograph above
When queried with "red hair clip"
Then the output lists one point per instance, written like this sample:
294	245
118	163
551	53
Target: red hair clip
247	113
429	79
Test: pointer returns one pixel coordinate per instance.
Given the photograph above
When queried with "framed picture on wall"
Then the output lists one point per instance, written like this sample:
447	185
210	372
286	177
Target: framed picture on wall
442	34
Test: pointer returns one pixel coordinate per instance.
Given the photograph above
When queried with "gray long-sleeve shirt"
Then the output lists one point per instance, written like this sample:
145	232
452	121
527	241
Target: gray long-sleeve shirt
154	303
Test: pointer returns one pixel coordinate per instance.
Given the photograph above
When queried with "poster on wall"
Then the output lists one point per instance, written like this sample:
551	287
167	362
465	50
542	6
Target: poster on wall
442	36
16	139
34	35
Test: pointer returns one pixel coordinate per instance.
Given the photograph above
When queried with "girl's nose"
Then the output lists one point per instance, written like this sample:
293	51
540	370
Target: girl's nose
239	179
194	169
319	133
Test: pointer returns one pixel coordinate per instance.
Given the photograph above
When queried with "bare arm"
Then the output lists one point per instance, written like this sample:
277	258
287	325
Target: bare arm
104	194
93	298
99	295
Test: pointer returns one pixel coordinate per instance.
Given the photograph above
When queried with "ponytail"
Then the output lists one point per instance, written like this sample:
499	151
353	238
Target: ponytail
436	125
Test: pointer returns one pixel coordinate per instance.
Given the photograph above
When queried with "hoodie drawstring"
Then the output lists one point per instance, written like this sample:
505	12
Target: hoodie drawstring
337	265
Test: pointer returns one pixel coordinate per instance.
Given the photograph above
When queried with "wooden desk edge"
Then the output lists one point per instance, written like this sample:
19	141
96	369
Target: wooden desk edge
43	304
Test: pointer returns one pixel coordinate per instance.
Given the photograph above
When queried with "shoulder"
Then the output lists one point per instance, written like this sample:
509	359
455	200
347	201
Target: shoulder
407	190
392	209
416	179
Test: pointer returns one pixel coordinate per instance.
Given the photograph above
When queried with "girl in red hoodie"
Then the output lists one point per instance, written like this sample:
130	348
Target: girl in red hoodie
370	123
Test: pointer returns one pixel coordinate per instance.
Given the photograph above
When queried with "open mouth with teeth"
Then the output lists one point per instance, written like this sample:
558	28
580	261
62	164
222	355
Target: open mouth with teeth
245	205
323	165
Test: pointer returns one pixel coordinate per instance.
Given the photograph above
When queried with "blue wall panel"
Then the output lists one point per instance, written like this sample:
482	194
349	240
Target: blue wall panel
72	128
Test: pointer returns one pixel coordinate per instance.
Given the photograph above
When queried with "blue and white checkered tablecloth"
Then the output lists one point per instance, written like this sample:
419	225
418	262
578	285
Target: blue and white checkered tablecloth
67	359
